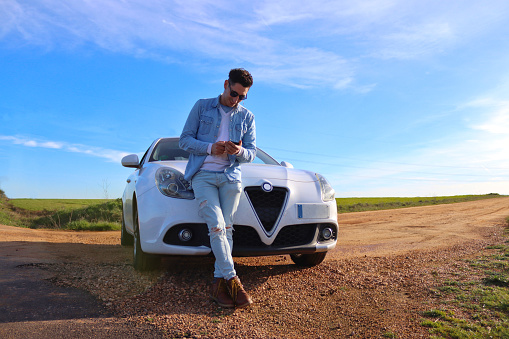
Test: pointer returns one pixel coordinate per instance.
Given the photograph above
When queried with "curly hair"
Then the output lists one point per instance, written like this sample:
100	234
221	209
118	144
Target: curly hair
240	76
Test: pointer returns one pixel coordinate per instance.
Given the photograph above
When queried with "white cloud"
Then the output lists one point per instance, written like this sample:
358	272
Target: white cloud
32	143
347	15
278	39
415	41
108	154
306	68
427	189
498	121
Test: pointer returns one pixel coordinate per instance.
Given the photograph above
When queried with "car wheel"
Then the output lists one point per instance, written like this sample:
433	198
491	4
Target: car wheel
125	238
308	260
142	261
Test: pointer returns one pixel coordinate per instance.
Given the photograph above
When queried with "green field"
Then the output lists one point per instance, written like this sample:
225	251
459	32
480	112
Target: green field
346	205
67	214
101	214
54	204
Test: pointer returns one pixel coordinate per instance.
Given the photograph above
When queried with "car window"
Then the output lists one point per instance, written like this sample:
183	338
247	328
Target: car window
144	157
168	149
264	158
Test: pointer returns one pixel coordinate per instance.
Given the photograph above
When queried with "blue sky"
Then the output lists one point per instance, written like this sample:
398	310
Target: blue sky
383	97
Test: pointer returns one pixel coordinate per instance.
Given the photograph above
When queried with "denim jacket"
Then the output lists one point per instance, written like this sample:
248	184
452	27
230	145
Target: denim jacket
202	128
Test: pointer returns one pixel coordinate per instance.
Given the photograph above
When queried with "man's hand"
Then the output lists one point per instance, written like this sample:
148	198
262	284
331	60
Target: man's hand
231	148
218	148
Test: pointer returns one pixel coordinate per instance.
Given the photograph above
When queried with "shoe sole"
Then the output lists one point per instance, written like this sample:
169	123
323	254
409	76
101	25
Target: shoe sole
220	304
244	305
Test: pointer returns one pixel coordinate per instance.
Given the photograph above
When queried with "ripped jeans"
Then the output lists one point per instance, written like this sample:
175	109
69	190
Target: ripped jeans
218	199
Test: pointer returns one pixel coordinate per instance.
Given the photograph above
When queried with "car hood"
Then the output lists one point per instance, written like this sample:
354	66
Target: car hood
260	171
276	173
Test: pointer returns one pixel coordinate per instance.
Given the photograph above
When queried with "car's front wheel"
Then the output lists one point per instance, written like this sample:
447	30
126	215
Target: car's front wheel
142	261
308	260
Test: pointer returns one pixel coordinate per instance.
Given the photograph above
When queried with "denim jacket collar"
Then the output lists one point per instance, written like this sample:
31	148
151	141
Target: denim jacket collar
217	102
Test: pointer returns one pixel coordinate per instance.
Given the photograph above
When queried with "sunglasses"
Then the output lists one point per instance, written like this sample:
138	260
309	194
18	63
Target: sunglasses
234	94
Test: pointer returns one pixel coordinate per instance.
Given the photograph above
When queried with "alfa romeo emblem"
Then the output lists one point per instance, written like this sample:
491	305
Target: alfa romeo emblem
267	186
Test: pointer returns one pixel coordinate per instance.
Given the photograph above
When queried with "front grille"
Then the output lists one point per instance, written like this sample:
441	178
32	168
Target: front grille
295	235
267	205
289	236
246	237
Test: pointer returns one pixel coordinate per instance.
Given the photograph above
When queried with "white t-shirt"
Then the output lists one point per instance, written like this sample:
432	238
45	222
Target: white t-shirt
217	163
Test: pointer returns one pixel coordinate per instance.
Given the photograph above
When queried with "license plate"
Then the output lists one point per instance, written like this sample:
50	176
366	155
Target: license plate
312	211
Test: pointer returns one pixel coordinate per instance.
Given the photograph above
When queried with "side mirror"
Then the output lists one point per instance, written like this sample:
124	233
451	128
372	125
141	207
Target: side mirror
286	164
131	160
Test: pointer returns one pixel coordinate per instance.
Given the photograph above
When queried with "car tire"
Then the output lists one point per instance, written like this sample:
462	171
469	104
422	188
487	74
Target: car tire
308	260
126	239
142	261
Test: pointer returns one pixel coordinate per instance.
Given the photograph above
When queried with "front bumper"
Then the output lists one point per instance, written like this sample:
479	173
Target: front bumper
303	238
295	231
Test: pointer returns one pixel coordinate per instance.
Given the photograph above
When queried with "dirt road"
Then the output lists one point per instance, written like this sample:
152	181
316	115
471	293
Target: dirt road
391	232
379	272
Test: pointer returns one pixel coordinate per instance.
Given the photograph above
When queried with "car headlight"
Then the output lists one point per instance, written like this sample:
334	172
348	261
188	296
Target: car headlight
171	183
327	190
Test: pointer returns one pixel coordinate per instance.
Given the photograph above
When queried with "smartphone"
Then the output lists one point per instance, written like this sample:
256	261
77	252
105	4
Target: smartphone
236	142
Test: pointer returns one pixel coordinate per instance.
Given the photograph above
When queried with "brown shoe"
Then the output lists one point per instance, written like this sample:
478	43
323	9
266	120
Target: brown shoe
220	294
237	292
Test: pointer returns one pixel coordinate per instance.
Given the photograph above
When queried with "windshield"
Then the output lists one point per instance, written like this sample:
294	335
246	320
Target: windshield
168	149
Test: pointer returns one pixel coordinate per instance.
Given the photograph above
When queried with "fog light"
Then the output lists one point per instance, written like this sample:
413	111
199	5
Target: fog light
327	233
185	234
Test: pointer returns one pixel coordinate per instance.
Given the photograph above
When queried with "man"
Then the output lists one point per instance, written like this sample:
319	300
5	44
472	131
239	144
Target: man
220	134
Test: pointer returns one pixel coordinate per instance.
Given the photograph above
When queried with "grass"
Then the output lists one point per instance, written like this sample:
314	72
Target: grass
101	216
65	214
6	216
54	204
346	205
476	305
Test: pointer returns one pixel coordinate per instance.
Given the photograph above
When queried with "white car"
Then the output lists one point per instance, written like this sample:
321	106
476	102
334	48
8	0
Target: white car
282	210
